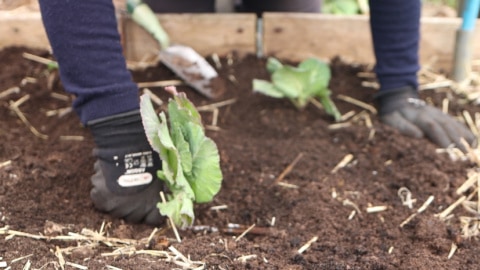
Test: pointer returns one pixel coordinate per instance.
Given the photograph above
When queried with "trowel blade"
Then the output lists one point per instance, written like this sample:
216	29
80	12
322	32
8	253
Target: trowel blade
193	69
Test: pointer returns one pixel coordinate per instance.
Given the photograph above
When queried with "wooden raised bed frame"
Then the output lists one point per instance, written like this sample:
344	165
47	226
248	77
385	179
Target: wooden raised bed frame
293	36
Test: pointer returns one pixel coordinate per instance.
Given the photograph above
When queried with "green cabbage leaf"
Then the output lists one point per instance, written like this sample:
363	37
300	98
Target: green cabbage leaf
190	160
300	84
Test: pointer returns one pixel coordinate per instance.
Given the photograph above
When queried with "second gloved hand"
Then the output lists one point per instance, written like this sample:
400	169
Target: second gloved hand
402	109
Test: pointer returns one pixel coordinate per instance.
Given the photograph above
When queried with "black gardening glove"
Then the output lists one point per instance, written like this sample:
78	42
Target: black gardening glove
402	109
125	183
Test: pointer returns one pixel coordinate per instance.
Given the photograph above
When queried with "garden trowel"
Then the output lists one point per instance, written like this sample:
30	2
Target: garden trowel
182	60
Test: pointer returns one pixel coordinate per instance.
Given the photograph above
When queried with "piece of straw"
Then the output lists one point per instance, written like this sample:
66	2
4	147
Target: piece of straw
174	228
453	248
347	202
449	209
245	233
156	99
472	180
307	245
471	125
419	210
376	209
346	159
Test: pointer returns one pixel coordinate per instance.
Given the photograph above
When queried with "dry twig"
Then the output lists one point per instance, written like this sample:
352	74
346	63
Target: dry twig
233	228
358	103
219	207
39	59
9	91
444	214
159	83
60	96
339	125
72	138
216	60
288	169
5	163
213	106
14	107
287	185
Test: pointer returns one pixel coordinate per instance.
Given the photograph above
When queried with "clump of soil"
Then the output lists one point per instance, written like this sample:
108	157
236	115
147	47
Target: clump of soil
47	180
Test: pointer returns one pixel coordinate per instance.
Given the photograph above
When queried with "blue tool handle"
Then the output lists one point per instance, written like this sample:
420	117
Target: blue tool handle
470	14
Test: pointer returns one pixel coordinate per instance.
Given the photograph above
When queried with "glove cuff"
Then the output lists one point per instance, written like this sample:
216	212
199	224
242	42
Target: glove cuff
117	129
388	101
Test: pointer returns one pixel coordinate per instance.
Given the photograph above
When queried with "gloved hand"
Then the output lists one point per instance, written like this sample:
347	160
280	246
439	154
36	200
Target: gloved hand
402	109
125	183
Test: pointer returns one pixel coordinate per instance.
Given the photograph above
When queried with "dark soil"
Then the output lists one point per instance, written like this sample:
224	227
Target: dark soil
48	180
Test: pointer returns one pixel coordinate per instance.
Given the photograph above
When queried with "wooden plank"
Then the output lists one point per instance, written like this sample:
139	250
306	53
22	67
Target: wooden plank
205	33
22	29
298	36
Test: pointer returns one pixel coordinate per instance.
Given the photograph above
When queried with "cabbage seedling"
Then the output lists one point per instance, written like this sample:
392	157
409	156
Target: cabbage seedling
190	160
300	84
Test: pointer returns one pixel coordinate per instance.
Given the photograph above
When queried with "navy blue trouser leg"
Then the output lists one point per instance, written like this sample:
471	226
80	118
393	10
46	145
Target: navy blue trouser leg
395	26
86	43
